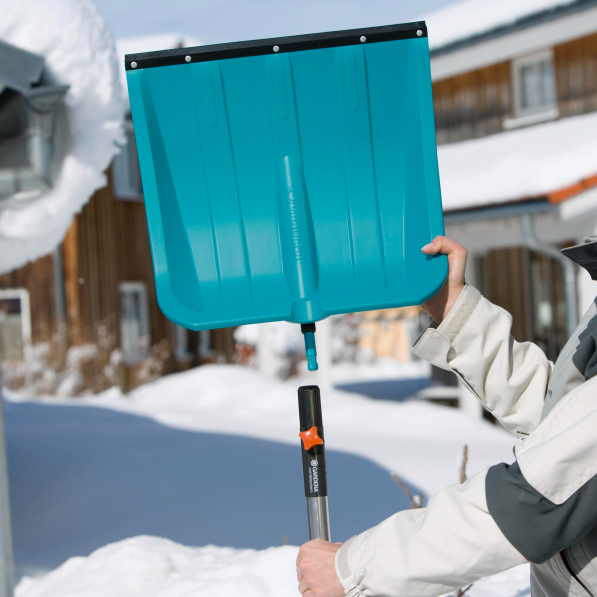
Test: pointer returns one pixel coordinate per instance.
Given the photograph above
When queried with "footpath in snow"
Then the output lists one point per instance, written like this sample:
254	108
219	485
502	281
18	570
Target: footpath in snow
419	441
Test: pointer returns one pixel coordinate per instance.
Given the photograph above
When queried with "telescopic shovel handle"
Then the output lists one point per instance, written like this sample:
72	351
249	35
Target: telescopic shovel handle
314	467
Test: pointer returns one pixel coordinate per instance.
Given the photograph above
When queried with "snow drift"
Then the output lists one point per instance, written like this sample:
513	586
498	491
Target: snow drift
150	566
79	51
420	441
153	567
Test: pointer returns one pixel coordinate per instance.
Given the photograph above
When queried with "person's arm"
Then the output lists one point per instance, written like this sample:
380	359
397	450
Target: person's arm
431	551
472	337
528	511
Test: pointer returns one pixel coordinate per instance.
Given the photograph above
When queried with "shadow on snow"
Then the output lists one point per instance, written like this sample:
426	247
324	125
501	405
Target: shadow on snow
82	477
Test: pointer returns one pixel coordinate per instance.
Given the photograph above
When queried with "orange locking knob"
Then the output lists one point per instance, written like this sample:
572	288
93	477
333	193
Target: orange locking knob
310	438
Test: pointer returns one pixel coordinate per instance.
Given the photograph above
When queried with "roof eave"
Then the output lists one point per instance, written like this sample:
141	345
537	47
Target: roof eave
531	20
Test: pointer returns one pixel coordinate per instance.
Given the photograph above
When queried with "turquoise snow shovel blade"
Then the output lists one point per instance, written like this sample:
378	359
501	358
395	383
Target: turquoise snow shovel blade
289	179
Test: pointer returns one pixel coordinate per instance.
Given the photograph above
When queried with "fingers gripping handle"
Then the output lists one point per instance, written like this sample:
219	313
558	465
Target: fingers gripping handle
314	465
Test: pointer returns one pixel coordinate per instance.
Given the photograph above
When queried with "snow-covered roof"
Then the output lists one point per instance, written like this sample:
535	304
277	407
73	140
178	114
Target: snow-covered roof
520	164
78	51
472	17
150	43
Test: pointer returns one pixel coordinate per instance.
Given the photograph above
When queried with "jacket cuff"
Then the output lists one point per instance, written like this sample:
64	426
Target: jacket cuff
351	587
434	344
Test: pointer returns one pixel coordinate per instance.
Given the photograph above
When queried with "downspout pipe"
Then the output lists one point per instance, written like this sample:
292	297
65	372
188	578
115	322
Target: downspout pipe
6	554
532	242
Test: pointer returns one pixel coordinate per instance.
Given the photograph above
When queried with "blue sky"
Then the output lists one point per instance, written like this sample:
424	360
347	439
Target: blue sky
217	21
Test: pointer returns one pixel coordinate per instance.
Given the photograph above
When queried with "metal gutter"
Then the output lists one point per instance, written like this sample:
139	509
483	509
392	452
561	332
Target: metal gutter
511	210
6	553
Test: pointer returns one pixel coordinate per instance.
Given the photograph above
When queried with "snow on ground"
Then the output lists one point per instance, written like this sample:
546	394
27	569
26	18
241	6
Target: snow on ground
83	477
150	566
418	440
78	49
517	164
470	17
379	369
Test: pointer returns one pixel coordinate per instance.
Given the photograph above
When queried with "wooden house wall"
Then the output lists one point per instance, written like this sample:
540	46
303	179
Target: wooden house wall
518	280
503	277
476	103
473	104
38	278
576	76
107	243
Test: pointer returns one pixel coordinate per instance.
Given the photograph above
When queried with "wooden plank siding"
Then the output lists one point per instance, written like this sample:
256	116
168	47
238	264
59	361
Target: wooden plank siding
38	278
110	241
504	278
107	243
520	281
473	104
576	76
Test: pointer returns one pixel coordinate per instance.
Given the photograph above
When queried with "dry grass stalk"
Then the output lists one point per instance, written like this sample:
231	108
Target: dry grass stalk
415	501
464	463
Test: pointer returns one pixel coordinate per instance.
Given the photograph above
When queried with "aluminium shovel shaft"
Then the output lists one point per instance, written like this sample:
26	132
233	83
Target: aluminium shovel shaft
314	466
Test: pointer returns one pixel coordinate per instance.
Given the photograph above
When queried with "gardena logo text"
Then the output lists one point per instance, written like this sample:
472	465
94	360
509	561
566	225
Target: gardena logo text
296	224
313	477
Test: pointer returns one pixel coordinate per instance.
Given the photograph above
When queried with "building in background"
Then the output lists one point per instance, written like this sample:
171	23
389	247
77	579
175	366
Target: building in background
515	99
86	317
516	121
515	96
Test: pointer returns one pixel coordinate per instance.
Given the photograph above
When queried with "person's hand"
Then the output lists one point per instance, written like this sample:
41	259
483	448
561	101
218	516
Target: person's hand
316	569
439	305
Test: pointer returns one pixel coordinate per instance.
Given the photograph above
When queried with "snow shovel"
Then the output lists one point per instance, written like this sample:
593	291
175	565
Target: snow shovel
290	178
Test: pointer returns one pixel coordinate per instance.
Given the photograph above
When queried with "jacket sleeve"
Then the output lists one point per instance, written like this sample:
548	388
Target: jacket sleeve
428	552
545	501
508	377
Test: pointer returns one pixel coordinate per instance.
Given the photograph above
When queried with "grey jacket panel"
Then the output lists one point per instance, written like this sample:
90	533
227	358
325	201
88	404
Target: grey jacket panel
576	363
585	357
585	255
537	527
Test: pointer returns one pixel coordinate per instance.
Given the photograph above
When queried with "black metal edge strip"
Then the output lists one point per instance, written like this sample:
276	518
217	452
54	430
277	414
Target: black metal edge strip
261	47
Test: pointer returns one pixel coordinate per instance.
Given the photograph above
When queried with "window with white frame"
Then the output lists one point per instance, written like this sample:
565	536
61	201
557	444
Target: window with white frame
534	86
15	324
135	338
126	175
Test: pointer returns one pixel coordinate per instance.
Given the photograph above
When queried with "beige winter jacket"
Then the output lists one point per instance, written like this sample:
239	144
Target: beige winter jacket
542	509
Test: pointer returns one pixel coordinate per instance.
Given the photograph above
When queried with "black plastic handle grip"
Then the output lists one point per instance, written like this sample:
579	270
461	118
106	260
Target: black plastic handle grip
314	465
